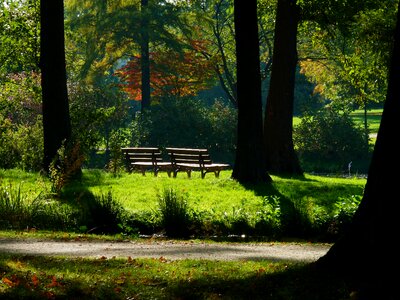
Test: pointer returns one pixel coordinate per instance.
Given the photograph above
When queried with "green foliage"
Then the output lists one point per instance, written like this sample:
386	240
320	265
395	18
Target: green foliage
104	215
21	132
96	112
261	220
8	152
17	211
66	166
351	45
19	36
21	146
329	141
188	123
174	210
116	162
315	208
344	212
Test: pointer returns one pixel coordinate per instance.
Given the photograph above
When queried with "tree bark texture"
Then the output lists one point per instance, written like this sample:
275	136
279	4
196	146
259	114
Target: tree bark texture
56	118
249	164
366	254
278	121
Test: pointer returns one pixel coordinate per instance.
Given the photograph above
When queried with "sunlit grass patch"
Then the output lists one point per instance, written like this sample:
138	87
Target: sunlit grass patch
108	278
215	206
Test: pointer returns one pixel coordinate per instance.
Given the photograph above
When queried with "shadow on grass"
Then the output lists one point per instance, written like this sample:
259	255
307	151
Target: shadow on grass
294	219
161	279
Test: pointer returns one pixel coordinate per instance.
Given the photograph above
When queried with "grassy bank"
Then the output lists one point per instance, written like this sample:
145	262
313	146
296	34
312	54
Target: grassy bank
306	202
310	207
28	277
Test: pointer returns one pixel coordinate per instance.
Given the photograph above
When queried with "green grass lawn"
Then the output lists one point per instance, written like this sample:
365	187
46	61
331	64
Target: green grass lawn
137	192
373	117
216	204
35	277
373	120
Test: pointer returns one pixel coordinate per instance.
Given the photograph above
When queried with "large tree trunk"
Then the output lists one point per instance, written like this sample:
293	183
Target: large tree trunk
56	119
278	122
367	254
145	55
249	163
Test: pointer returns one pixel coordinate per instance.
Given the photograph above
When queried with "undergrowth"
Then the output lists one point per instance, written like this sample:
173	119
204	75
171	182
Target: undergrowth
179	212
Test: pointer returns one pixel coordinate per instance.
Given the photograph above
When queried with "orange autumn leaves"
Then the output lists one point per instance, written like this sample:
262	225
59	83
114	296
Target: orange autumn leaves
171	73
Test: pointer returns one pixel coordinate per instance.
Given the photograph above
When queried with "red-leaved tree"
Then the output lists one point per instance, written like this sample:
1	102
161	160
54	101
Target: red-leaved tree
171	73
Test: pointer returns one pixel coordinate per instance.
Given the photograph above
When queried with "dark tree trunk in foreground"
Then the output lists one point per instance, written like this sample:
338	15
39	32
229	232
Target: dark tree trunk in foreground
145	55
249	163
278	122
367	254
56	119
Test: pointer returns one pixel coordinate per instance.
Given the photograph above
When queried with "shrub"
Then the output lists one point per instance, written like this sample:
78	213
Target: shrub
19	212
96	213
66	166
328	141
21	146
116	161
96	111
175	216
268	217
29	143
21	134
188	123
343	214
8	151
106	214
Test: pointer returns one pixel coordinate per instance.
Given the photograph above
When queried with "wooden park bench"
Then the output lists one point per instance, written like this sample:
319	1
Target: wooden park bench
186	159
145	158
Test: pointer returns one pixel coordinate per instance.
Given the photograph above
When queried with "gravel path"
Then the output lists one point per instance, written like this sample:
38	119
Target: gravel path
171	250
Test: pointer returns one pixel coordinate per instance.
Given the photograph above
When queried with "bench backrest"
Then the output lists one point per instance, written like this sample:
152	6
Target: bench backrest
189	156
142	154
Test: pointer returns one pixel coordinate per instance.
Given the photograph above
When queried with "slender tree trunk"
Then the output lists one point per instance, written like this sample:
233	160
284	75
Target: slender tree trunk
278	122
56	118
145	55
366	254
249	163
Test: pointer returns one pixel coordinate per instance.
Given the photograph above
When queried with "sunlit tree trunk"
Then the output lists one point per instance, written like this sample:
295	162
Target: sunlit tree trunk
56	118
278	121
249	163
366	254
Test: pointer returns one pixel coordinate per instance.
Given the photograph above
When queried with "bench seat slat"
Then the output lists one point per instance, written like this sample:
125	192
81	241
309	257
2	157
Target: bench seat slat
188	159
145	158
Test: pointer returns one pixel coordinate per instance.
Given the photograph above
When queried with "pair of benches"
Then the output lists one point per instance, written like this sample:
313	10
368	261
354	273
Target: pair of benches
181	159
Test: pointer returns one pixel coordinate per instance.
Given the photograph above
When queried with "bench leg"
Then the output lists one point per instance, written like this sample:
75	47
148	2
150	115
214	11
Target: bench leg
203	174
189	173
217	173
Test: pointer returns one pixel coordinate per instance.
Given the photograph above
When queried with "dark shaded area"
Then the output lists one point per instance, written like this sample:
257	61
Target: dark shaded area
376	221
297	282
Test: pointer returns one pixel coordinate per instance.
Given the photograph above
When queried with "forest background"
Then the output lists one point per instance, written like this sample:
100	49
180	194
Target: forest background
192	100
342	52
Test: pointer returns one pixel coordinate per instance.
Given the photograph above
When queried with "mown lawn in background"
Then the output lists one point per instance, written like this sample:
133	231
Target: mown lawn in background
373	120
137	192
140	193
